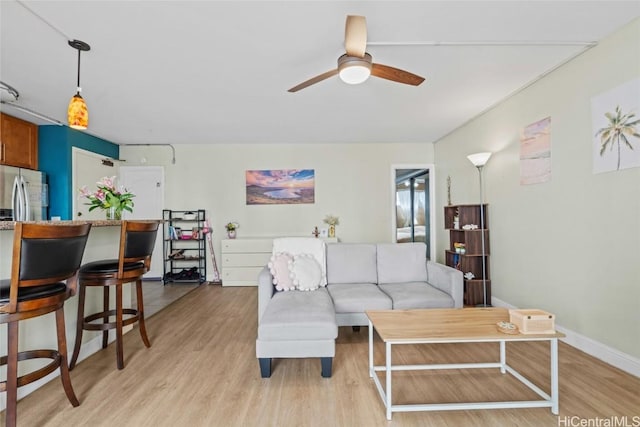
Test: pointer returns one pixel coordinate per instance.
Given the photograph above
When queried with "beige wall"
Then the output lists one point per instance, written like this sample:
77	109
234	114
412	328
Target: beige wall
571	245
353	181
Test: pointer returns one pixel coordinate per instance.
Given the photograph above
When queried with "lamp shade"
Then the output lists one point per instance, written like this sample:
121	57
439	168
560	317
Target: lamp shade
479	159
77	113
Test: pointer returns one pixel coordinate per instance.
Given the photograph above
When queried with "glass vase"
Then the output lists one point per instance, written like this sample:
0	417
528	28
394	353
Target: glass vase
332	231
113	214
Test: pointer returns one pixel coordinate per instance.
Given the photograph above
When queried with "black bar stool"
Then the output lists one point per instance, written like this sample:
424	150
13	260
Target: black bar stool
44	274
137	239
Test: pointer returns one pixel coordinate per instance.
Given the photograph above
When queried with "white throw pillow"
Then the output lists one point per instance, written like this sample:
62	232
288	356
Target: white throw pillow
279	267
305	272
304	245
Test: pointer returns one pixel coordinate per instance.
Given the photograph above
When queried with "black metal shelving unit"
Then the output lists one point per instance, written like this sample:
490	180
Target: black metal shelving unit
184	249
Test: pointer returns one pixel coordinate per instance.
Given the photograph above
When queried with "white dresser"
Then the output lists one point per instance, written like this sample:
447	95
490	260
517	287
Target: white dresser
243	259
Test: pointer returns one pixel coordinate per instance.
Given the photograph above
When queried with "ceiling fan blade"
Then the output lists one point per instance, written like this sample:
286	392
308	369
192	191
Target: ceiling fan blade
395	74
355	35
314	80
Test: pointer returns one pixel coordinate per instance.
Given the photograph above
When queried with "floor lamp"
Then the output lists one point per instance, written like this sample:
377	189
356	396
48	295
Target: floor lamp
479	160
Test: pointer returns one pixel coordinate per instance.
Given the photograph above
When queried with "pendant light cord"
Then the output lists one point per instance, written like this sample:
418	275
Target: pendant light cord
78	70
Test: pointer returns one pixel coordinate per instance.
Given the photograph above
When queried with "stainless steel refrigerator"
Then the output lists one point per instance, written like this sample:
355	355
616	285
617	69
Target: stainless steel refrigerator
23	194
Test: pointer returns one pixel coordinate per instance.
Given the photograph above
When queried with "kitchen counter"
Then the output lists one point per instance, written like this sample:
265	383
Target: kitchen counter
10	225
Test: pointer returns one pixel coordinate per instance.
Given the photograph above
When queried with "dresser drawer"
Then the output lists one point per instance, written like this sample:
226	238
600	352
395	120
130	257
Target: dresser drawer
245	259
240	276
247	245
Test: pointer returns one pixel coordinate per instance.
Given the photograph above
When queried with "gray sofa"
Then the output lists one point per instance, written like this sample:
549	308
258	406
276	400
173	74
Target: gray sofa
360	277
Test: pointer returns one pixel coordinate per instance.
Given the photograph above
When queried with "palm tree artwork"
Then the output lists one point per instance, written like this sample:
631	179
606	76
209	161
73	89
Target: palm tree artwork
621	128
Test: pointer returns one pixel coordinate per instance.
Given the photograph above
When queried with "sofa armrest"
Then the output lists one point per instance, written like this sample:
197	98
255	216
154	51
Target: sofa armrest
448	280
265	290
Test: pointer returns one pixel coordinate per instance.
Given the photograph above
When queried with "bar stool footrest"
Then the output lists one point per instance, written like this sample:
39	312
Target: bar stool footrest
37	374
110	325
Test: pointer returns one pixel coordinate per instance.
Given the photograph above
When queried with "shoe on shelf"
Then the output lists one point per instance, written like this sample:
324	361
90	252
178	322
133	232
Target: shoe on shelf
177	254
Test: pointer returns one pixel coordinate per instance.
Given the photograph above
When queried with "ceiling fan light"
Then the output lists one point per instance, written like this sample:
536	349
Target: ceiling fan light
77	113
353	69
355	74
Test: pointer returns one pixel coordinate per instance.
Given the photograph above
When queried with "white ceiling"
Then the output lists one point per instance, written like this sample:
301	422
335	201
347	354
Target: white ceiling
218	72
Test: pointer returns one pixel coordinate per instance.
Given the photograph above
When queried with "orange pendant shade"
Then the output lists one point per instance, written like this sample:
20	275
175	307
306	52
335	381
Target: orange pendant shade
77	113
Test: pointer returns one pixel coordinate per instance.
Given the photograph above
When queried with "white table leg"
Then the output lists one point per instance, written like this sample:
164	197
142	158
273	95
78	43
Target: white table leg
554	376
503	357
388	372
370	349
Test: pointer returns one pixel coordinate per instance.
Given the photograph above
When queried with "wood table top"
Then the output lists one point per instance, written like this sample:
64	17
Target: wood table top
446	325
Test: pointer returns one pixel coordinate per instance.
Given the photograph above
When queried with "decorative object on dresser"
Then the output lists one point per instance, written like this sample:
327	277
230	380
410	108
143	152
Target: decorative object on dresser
231	228
473	261
185	254
332	221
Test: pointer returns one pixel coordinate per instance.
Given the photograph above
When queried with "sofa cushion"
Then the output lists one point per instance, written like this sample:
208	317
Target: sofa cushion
416	295
299	316
402	262
304	245
305	272
351	263
279	268
358	297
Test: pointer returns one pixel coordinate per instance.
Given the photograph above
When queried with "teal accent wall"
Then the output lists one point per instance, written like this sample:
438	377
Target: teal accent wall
54	159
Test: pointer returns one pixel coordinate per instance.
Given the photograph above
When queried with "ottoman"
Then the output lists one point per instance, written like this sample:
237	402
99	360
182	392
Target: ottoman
297	324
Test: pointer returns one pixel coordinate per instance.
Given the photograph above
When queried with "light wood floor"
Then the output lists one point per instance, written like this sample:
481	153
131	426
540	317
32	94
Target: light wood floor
201	371
157	295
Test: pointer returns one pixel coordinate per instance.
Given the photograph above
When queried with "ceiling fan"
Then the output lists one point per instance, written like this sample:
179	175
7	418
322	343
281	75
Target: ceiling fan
356	65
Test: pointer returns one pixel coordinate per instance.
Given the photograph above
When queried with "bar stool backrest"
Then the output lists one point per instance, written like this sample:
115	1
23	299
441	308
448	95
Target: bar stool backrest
137	239
45	254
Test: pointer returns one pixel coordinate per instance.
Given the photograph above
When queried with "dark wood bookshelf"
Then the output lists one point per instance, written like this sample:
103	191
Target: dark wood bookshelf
472	258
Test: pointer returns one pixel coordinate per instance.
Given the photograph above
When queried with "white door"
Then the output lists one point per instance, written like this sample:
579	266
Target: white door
147	183
88	168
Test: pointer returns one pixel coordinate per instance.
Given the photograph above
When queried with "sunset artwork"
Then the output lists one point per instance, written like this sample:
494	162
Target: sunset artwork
280	187
535	153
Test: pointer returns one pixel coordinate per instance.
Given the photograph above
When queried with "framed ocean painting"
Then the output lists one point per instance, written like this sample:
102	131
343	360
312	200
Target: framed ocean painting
280	187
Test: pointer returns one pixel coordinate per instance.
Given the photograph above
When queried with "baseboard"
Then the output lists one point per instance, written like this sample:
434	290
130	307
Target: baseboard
590	346
86	350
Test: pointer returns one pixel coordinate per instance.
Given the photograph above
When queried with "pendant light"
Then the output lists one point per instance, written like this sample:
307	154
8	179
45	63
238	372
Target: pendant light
77	113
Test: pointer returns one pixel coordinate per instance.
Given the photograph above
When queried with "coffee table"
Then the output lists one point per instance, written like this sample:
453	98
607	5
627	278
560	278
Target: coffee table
462	325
